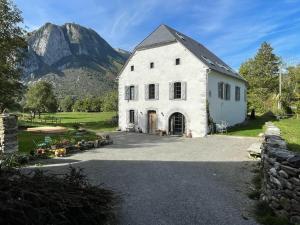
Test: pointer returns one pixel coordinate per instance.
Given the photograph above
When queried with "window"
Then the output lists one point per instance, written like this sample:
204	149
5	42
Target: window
151	91
221	90
151	65
227	91
131	93
131	116
177	62
237	93
177	90
132	68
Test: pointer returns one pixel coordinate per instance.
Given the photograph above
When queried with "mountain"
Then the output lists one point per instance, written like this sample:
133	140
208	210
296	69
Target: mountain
75	59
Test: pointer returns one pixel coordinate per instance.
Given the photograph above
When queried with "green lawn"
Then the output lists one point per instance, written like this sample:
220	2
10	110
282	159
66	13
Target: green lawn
95	122
26	139
251	128
290	129
92	121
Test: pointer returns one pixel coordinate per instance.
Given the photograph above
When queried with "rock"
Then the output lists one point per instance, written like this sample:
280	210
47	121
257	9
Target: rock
278	153
290	170
276	143
295	220
294	161
283	174
275	181
295	181
277	165
273	172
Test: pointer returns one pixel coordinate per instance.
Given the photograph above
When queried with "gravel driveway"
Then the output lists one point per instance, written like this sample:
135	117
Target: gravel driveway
171	180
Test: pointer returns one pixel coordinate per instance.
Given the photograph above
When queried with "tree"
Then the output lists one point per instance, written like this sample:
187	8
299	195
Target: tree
12	45
66	104
110	102
291	88
40	98
261	72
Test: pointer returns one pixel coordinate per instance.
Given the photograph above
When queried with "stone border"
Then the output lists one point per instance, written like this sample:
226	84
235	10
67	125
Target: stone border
281	175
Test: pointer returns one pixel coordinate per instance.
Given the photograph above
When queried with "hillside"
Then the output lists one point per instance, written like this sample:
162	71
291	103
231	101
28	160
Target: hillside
75	59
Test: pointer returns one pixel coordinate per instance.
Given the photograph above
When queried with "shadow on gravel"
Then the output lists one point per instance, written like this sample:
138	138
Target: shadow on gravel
174	193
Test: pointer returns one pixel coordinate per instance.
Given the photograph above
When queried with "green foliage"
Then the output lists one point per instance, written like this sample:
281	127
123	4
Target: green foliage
40	197
40	98
291	88
261	72
66	104
12	45
88	104
265	215
110	101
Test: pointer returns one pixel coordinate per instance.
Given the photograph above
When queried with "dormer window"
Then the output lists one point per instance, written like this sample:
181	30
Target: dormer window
132	68
177	61
151	65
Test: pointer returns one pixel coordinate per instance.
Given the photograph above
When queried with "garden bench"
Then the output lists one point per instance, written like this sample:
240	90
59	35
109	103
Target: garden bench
222	127
46	143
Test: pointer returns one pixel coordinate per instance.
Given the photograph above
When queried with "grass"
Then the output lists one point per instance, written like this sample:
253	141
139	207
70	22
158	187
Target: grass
290	129
251	128
26	143
92	121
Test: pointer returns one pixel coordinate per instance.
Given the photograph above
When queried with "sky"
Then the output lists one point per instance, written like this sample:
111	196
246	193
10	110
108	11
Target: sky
232	29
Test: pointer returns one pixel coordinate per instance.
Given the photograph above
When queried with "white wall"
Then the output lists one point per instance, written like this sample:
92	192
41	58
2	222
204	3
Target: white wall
191	70
220	109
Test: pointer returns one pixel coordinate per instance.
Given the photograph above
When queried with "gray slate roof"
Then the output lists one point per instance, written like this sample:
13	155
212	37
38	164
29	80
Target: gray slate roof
164	35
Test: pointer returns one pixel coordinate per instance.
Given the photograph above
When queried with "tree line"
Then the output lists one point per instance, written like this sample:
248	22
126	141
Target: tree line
40	98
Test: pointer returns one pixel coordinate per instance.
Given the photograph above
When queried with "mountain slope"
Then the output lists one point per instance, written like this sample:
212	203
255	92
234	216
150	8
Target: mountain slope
76	60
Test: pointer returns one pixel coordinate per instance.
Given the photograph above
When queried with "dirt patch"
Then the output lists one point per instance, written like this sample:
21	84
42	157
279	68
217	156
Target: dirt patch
48	129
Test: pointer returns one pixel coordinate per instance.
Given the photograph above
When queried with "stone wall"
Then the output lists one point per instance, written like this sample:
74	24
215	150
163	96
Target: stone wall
8	133
281	175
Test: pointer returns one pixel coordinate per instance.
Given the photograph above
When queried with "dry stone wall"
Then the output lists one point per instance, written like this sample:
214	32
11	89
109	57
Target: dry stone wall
8	133
281	175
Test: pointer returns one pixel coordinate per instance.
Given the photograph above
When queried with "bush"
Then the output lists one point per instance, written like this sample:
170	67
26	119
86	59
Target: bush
41	198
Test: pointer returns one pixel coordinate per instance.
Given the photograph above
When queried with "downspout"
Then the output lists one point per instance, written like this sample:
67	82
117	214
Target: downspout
206	99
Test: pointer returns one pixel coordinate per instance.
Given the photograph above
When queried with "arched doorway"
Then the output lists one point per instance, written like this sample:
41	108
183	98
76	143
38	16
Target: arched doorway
177	124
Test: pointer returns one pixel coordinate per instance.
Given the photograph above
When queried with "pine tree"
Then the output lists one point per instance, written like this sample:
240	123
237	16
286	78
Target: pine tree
261	72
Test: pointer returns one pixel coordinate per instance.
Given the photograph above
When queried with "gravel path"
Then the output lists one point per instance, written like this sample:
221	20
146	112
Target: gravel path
171	180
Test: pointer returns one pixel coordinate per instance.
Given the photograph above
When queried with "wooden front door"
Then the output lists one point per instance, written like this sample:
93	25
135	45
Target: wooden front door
152	122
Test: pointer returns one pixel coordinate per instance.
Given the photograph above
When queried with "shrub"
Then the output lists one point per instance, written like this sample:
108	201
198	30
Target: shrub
41	198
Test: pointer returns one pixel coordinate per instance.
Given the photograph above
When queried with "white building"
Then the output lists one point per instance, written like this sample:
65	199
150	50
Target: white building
170	81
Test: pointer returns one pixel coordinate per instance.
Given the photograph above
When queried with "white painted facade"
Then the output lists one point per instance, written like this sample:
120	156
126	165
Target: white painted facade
201	87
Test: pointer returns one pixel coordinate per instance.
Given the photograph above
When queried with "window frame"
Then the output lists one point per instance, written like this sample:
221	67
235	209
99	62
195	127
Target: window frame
237	93
151	91
221	92
131	116
132	68
227	92
177	90
131	92
177	61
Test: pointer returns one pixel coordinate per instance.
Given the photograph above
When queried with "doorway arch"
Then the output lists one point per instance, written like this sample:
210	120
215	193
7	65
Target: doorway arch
177	124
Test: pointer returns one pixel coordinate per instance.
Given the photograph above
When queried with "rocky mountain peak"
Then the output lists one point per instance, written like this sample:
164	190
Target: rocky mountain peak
54	51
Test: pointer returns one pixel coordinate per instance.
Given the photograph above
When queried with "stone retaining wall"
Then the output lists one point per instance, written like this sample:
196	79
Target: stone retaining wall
281	175
8	133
